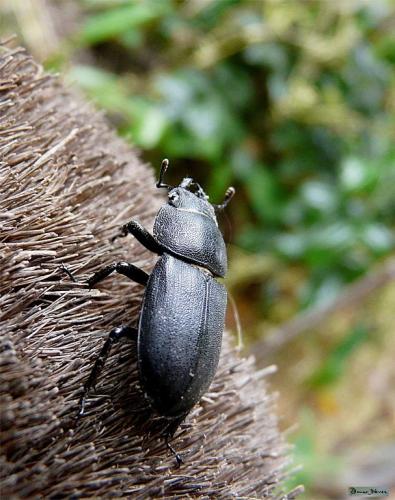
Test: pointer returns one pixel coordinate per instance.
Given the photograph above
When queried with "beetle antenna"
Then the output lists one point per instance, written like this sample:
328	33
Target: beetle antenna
228	196
163	168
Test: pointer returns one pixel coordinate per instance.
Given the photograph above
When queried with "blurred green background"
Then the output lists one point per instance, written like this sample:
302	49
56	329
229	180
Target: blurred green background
293	103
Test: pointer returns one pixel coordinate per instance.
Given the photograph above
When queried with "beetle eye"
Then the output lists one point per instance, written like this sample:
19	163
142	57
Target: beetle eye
173	197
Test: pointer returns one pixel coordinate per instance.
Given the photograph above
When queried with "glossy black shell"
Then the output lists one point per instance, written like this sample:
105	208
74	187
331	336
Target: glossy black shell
180	334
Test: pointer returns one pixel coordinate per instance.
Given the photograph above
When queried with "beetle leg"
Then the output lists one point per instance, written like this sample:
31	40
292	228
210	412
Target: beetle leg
129	270
65	270
177	455
115	335
142	235
171	429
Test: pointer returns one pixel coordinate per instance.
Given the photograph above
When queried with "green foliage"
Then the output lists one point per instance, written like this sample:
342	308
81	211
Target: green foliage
119	19
334	364
317	464
291	102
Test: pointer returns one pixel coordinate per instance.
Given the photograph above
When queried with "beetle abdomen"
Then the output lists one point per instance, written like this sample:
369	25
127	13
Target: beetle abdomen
180	334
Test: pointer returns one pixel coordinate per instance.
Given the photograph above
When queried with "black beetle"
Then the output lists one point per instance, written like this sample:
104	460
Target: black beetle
183	312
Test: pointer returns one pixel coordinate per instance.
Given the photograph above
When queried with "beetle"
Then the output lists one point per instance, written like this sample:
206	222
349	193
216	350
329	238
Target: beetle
182	316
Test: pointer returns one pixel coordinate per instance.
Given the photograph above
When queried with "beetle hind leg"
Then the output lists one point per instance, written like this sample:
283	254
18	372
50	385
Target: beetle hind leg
171	429
176	455
115	335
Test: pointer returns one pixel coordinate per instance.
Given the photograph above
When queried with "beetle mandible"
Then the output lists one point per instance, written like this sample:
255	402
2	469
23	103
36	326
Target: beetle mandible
182	317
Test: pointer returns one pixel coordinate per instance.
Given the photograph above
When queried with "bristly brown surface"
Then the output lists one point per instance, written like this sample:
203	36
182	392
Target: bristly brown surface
67	184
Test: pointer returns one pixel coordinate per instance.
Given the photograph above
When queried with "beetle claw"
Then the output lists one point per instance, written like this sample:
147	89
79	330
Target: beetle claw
81	410
121	234
176	455
64	269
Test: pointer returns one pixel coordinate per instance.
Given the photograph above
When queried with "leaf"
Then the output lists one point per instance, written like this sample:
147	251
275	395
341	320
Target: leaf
378	238
104	87
149	127
264	194
357	175
116	21
319	196
334	366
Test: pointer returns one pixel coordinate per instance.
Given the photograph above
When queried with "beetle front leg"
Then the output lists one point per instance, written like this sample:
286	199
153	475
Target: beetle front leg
129	270
142	235
115	335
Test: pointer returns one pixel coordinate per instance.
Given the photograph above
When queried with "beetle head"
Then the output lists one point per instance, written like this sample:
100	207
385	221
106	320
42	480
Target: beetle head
186	226
184	199
188	196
